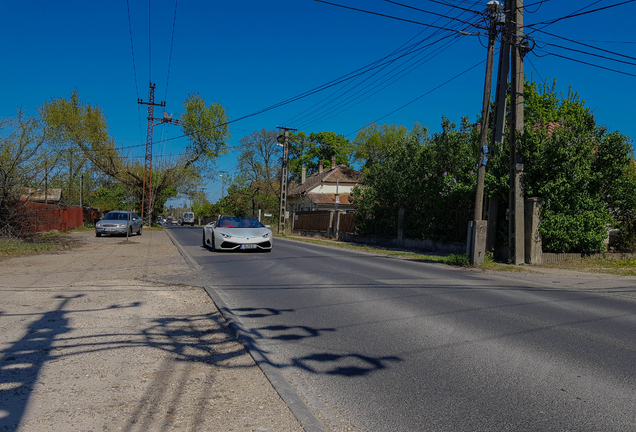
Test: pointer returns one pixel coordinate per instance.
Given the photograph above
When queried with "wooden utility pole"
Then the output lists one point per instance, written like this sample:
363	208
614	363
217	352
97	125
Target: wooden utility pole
477	230
516	209
284	140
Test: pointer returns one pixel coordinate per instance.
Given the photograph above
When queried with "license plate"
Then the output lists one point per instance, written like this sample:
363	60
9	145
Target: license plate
110	229
248	246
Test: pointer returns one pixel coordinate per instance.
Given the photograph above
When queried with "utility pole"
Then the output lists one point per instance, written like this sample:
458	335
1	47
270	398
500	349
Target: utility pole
146	198
499	120
222	175
284	140
477	234
516	209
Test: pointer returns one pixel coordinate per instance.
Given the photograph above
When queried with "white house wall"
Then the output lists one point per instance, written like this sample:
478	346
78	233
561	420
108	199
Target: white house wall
331	189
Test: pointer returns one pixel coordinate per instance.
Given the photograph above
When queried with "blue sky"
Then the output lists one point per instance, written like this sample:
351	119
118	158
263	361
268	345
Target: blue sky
251	54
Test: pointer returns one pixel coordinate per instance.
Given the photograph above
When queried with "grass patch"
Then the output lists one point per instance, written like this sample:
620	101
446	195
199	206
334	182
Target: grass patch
598	265
455	260
11	247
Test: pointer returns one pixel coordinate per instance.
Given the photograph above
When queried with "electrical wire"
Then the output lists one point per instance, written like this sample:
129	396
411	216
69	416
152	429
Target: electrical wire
381	86
455	6
428	12
592	54
540	3
586	45
586	63
174	21
535	69
149	44
573	15
420	97
134	67
386	16
402	70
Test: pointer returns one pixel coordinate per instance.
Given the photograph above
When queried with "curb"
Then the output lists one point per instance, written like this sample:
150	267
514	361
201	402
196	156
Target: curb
186	256
308	421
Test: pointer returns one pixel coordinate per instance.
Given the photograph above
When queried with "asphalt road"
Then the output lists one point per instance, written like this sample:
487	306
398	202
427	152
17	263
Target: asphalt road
388	344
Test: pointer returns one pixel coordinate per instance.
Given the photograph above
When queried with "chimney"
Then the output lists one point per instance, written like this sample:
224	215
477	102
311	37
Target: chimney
320	167
333	161
303	175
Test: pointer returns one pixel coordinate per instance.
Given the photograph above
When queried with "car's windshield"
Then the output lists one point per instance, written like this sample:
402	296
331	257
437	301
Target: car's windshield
116	216
239	223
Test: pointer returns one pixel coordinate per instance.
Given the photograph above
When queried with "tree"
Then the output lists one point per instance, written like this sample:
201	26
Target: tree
431	179
24	156
83	127
372	141
307	150
259	168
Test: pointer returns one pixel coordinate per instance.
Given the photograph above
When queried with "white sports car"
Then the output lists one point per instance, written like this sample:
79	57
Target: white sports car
232	233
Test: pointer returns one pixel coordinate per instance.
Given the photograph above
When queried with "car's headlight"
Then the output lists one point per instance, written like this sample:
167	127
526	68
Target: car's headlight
266	235
121	225
98	225
225	235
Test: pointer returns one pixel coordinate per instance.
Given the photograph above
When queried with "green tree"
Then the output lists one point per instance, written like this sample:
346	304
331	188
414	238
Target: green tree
308	150
82	127
372	141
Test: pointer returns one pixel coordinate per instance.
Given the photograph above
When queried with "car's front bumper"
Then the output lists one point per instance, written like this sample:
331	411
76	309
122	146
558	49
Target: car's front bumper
110	230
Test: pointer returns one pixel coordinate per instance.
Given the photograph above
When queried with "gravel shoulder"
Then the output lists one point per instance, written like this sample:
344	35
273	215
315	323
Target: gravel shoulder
88	344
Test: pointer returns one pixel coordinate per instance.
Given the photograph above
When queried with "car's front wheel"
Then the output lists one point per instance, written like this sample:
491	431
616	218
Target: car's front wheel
98	234
205	245
139	232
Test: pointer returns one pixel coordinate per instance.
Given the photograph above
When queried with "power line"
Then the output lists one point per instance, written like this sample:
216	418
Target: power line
379	84
573	15
420	97
586	63
586	45
455	6
134	67
403	72
429	12
591	54
174	21
388	16
540	3
149	44
390	80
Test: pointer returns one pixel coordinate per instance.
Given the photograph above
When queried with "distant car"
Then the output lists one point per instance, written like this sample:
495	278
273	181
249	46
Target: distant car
119	222
187	219
232	233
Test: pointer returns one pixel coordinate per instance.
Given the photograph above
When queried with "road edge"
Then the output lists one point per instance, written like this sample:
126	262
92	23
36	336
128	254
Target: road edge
308	421
186	256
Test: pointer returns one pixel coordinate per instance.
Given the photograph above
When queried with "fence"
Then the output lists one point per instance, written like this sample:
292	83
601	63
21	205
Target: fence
313	221
39	217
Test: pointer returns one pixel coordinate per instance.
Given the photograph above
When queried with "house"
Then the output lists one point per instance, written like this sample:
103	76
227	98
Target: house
49	196
325	190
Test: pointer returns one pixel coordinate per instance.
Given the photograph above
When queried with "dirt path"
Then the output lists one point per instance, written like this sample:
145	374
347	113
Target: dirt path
87	345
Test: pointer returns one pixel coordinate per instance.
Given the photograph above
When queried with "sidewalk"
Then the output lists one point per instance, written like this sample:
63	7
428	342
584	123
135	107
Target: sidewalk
87	345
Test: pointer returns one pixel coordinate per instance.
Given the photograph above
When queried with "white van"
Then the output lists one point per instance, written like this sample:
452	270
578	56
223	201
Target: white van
187	219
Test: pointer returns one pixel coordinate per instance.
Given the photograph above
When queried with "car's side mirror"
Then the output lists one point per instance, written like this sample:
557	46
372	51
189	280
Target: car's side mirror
268	226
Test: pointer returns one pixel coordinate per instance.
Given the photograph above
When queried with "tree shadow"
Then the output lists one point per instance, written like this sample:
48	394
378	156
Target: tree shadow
50	339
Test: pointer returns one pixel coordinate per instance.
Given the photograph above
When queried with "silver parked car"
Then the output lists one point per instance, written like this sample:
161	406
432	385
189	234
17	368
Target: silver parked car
119	222
232	233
